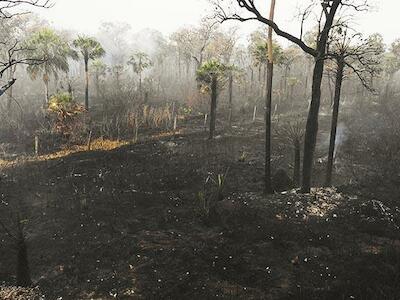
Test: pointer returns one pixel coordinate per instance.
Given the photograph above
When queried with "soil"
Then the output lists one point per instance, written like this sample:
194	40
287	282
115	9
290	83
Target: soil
129	224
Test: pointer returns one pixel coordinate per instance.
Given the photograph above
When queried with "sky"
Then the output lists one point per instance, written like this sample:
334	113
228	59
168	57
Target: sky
85	16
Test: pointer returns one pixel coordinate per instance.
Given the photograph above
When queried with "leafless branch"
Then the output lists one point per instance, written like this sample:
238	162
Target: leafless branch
250	6
7	7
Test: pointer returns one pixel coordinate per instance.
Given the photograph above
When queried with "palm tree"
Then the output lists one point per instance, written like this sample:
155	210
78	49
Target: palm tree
90	49
99	70
139	61
212	76
54	52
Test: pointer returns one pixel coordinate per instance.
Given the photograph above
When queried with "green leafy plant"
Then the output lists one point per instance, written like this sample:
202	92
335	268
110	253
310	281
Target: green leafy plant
213	191
65	113
243	156
212	70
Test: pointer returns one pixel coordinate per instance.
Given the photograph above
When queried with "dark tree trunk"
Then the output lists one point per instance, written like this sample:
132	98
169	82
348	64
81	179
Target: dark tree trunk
312	120
335	117
268	123
230	99
312	125
10	90
297	159
213	113
23	272
69	87
87	84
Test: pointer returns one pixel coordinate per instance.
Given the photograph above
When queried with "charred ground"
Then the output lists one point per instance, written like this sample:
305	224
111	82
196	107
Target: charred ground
128	223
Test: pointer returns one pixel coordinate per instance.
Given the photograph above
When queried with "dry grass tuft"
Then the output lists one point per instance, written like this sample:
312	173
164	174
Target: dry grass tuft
99	144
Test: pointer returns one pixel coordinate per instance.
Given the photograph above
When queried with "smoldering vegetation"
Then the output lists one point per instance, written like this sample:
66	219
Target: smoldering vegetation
139	165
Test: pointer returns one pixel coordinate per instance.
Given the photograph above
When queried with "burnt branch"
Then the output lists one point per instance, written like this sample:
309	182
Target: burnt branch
250	12
361	56
4	88
13	54
250	7
7	7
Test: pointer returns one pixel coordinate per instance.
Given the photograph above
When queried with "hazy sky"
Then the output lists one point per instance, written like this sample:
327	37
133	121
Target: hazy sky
168	15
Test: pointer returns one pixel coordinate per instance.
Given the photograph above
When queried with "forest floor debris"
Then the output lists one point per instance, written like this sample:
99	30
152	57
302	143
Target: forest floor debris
128	227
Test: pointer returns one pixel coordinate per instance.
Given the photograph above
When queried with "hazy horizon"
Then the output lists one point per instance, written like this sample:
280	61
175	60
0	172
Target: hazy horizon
168	16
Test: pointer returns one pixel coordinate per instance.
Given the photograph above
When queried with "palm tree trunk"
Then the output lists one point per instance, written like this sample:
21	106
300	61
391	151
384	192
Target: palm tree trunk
213	113
335	117
46	88
87	84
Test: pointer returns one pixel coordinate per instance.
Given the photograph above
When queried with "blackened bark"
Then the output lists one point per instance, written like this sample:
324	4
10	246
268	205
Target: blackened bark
312	120
4	89
213	114
297	159
268	123
335	117
312	125
23	272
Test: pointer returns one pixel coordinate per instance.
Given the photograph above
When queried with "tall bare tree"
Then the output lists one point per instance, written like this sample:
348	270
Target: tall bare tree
249	11
355	55
268	105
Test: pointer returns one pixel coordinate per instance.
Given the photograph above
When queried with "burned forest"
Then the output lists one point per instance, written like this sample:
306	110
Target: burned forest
199	149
